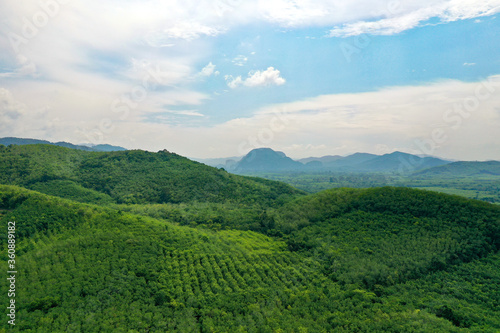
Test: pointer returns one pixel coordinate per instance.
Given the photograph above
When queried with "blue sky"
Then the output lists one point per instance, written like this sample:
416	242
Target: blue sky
314	64
218	78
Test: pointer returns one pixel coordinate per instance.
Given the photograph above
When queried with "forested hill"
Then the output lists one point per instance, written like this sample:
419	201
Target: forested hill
382	236
131	177
382	260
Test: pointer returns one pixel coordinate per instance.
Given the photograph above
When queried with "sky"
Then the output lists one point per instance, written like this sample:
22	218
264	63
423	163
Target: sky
218	78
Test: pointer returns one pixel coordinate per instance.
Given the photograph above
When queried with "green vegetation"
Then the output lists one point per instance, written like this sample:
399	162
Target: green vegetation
99	249
474	185
132	177
388	235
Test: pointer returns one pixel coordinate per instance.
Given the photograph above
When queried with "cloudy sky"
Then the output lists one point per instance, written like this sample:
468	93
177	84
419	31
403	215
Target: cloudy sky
217	78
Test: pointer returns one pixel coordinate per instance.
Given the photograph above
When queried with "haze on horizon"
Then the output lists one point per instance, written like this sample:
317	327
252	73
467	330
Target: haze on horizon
219	78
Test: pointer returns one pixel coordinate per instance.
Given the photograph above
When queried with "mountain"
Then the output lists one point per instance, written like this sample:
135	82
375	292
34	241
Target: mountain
463	169
266	160
132	176
400	162
323	159
19	141
227	163
347	163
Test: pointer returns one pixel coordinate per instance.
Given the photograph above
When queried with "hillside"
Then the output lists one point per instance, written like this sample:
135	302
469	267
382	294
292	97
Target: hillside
19	141
131	177
382	260
463	169
387	235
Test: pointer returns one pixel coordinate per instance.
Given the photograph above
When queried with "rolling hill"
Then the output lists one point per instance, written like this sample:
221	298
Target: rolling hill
350	261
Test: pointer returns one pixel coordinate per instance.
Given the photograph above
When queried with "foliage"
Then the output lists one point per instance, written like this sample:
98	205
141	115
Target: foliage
132	177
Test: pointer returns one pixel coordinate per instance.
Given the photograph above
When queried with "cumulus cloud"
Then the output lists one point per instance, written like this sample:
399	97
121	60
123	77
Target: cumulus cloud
269	77
209	70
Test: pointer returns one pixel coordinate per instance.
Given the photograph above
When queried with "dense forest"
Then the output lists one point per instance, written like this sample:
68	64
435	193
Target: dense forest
152	242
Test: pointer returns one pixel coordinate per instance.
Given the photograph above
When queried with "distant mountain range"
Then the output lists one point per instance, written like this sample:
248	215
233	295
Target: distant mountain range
463	169
20	141
268	160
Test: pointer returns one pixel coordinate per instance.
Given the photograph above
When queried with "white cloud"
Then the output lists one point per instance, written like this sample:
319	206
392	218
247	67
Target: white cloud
25	68
192	113
292	13
268	77
233	82
11	110
240	60
188	31
209	70
469	64
401	19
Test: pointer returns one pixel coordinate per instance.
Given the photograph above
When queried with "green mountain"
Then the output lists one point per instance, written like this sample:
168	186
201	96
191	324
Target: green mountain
19	141
463	169
131	177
